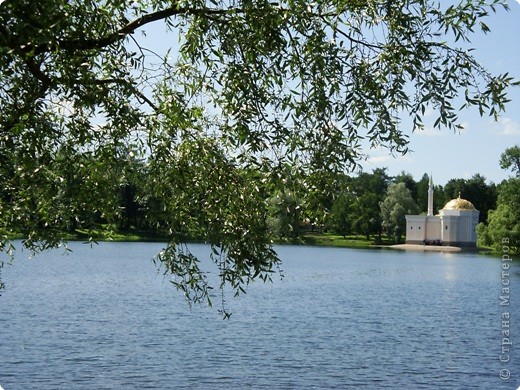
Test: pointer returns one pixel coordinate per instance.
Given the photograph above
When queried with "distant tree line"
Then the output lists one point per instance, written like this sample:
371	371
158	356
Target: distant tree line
378	202
502	228
375	204
370	204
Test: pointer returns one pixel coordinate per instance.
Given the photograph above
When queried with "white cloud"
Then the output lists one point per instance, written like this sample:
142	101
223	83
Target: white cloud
464	129
388	158
506	126
379	159
430	131
429	112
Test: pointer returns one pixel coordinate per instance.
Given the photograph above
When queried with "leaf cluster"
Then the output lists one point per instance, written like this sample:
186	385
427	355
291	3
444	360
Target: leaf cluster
287	90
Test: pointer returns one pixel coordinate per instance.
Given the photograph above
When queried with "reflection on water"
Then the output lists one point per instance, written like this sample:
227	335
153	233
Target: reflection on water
105	318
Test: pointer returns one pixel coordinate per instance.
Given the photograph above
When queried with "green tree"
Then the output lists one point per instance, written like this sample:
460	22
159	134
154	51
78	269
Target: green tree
285	215
369	190
482	195
341	214
396	205
454	188
476	190
318	193
439	197
366	215
510	159
78	80
410	183
504	221
376	182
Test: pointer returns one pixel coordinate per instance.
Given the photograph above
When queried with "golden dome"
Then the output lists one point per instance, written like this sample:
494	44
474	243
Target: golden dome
459	204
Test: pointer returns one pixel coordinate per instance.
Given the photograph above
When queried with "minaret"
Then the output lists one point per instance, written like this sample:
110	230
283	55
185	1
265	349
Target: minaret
430	197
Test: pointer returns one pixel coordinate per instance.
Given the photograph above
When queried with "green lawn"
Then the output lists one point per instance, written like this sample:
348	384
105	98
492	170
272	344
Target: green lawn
353	241
119	235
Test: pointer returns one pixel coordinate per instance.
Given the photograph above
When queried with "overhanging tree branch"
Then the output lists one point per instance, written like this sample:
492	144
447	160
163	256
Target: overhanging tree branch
129	28
252	82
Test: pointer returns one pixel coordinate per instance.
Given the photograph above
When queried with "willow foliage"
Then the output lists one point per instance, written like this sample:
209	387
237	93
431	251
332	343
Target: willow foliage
250	91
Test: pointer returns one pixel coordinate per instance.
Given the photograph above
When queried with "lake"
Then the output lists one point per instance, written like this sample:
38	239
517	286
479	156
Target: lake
105	318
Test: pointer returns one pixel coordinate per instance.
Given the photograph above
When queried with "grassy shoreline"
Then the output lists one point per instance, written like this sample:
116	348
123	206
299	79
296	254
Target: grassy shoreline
332	240
312	239
325	239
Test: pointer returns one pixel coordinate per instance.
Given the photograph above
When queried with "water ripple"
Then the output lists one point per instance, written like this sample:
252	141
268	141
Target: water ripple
104	319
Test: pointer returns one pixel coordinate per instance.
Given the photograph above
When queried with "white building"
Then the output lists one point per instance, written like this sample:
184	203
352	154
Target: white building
454	226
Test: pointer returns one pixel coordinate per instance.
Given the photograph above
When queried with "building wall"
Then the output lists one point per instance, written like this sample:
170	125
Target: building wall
433	228
455	225
449	229
459	227
452	227
415	228
421	227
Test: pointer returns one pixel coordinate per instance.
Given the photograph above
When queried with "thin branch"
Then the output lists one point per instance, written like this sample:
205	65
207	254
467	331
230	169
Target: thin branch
138	93
35	70
357	41
130	27
146	100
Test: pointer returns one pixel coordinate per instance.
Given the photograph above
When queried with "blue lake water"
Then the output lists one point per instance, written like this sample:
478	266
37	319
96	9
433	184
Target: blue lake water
104	318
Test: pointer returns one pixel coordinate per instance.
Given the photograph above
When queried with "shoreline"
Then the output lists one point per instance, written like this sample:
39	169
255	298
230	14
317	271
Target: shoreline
431	248
333	241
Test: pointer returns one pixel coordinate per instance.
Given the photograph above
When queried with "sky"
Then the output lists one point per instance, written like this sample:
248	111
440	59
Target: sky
476	150
447	155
